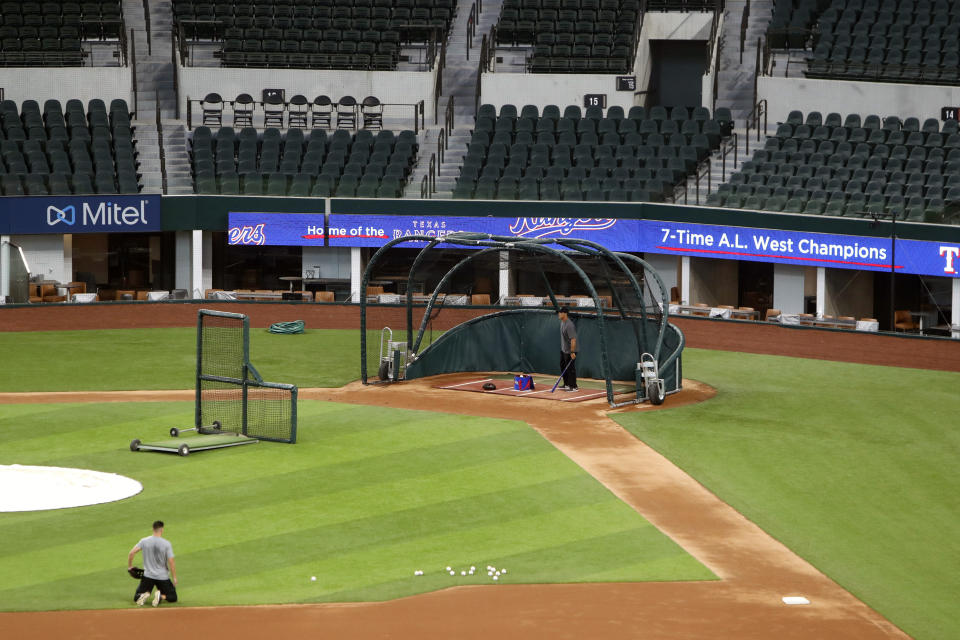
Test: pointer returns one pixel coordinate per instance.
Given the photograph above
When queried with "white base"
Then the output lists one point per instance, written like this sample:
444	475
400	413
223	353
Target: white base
795	600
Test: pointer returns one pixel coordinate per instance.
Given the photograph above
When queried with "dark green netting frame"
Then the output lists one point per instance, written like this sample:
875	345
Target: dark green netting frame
628	330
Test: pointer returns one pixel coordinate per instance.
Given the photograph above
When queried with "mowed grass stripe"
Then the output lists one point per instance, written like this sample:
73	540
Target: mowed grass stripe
342	569
586	559
339	444
134	359
168	490
392	499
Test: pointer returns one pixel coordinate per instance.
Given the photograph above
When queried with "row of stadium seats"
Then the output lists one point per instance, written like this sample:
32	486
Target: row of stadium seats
50	34
61	151
339	34
572	36
898	42
821	166
593	157
36	13
792	21
303	164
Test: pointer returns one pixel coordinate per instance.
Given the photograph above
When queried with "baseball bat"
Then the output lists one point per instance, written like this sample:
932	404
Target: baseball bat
555	384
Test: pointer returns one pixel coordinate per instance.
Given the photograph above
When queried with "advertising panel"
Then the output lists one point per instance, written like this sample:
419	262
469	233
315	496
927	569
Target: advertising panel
618	234
800	248
276	229
351	230
81	214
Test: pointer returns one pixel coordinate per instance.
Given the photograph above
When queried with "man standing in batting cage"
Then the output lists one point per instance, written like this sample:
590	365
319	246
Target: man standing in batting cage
568	350
158	568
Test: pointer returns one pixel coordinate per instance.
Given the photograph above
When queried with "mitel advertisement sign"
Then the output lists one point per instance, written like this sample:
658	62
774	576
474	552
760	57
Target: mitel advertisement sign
80	214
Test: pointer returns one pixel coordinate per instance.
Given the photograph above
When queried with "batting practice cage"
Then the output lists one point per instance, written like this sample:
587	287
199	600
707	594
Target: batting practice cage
230	392
617	302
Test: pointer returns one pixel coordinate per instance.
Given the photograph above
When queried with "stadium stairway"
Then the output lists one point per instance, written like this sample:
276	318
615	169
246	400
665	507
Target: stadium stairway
735	86
735	89
459	81
155	78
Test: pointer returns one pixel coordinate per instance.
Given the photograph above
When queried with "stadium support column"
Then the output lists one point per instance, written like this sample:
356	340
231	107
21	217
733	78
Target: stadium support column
207	260
356	274
788	281
685	280
955	310
504	286
5	269
821	291
183	261
201	262
68	259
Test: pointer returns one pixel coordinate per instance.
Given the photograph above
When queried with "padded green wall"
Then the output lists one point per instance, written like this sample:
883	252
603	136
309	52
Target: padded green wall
528	341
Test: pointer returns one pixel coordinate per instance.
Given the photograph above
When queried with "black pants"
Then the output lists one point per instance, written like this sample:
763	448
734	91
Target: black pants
570	376
165	586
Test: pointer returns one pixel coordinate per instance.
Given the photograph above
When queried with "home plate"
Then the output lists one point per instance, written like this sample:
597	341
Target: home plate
795	600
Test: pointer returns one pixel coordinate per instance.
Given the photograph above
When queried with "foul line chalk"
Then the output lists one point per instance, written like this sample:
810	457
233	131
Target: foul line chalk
463	384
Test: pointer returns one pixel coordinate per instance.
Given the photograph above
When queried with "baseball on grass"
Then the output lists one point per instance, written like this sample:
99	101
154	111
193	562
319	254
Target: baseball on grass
313	578
496	577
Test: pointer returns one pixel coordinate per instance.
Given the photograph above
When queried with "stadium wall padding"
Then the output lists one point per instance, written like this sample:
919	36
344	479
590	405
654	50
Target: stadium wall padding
528	341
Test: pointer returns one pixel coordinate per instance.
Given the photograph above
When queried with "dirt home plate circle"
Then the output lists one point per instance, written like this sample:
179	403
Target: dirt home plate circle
32	488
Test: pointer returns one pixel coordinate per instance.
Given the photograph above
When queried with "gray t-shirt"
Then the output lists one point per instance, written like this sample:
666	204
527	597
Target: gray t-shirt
156	552
568	332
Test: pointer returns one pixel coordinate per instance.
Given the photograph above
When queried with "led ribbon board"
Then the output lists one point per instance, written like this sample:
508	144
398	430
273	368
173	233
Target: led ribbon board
618	234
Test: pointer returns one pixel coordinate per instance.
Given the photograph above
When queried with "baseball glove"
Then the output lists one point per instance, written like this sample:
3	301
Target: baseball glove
135	572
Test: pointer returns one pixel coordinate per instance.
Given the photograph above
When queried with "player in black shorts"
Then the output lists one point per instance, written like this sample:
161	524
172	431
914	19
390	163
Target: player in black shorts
159	569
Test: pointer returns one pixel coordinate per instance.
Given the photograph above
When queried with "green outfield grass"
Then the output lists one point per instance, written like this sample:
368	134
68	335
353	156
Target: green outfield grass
854	467
124	359
365	498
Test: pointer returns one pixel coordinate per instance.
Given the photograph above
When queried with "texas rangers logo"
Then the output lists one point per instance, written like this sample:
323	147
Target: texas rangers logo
248	234
546	227
949	253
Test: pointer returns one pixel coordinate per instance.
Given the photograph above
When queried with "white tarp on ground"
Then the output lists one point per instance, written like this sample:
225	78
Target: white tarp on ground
29	488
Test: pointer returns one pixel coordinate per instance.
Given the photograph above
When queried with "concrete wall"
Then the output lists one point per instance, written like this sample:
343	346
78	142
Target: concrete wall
788	287
392	87
326	262
667	267
849	293
45	256
713	282
184	260
673	26
64	83
541	89
882	98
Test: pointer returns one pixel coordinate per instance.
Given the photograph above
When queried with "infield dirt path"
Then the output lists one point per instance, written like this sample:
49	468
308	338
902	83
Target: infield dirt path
755	570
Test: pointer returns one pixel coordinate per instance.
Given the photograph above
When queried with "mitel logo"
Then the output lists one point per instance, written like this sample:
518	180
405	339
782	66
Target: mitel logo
544	227
949	253
106	214
67	215
247	234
